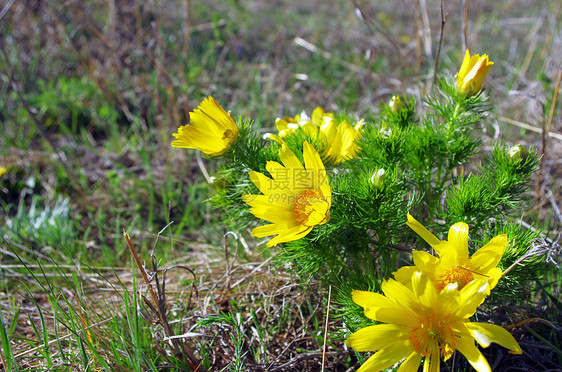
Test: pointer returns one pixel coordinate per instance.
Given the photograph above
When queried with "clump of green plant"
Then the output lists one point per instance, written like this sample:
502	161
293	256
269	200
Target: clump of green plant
70	103
47	226
348	200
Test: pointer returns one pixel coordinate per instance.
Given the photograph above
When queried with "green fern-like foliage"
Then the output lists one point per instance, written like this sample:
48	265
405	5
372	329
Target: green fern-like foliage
407	162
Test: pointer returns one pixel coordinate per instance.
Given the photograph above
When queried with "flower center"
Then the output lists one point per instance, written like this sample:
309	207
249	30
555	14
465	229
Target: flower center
458	274
433	333
310	208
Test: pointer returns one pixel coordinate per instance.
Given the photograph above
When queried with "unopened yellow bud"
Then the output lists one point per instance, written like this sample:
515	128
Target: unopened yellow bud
472	72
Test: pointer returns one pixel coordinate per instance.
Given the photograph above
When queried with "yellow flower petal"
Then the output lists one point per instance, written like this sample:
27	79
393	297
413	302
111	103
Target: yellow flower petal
310	129
189	136
276	170
276	213
274	137
383	309
458	237
395	315
449	254
432	362
283	124
424	290
289	159
315	167
485	334
494	275
206	124
424	261
210	108
386	357
341	140
422	231
312	159
319	214
490	255
263	183
411	364
404	274
466	346
465	67
370	299
330	128
472	296
400	294
318	115
257	201
376	337
290	234
271	229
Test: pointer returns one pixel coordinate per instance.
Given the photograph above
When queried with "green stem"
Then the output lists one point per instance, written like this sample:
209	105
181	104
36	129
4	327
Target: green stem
440	175
453	118
436	195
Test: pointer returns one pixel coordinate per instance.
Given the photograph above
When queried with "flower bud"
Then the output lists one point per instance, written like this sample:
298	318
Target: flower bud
472	73
377	178
385	131
517	153
395	104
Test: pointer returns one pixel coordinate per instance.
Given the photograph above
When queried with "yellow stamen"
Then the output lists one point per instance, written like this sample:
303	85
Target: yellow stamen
459	275
303	205
433	332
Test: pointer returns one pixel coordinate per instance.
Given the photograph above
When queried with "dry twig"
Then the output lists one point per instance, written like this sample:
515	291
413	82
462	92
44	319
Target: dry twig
159	309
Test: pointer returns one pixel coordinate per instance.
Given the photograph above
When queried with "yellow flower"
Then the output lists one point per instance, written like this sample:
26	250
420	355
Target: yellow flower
288	125
295	199
454	264
420	322
339	140
212	129
473	71
3	171
319	116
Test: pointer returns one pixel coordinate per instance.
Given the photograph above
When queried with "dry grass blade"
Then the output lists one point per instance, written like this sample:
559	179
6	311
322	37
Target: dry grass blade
191	358
554	100
545	132
326	327
528	127
441	31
